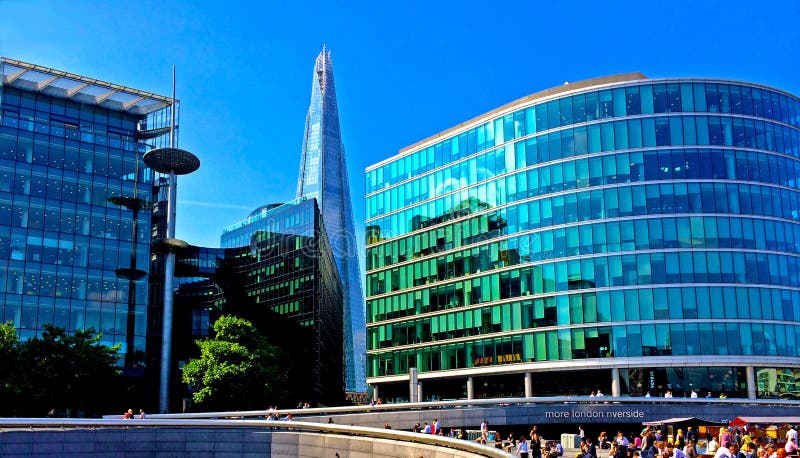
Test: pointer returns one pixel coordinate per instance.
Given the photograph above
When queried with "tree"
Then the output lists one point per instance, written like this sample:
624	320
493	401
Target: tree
237	369
69	371
10	383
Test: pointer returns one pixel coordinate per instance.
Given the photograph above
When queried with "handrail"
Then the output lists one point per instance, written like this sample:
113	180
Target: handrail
436	405
360	431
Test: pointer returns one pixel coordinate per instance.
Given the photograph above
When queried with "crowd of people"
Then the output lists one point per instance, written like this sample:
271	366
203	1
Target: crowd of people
530	445
273	416
692	395
525	446
649	443
654	443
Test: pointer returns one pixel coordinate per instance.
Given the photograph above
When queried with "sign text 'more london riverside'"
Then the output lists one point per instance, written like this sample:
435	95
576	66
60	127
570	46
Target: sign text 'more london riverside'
597	412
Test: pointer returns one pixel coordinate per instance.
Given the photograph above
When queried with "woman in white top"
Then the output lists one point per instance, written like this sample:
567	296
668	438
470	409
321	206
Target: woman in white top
713	445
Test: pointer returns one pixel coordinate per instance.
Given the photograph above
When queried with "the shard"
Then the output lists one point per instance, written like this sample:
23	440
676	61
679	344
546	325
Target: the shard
323	175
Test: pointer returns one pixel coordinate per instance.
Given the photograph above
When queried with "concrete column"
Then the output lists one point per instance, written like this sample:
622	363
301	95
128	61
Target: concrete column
615	383
751	382
419	392
470	388
528	385
412	384
375	394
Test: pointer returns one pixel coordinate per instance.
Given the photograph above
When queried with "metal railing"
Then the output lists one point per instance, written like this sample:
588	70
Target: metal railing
466	403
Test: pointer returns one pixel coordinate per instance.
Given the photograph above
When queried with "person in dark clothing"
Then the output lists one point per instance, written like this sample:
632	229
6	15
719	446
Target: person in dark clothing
535	445
622	445
590	448
652	451
603	441
680	440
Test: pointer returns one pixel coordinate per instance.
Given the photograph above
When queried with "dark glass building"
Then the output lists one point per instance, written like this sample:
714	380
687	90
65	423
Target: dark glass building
323	176
75	204
625	234
277	270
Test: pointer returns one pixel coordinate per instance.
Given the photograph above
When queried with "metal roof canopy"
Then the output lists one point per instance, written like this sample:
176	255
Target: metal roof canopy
61	84
682	420
741	421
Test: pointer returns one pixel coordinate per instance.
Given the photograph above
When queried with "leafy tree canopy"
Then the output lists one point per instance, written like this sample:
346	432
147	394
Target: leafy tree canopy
8	338
56	370
10	385
71	369
237	369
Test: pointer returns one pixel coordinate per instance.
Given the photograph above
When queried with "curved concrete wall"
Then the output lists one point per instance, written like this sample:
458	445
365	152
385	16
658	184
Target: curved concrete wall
288	444
211	438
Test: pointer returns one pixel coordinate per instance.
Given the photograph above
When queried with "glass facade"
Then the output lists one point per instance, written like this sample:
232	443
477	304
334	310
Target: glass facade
276	269
323	176
641	221
74	220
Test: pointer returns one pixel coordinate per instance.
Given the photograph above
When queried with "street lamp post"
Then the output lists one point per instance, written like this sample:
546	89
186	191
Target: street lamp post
172	162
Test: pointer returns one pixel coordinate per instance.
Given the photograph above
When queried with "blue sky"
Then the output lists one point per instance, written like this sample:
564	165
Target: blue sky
404	70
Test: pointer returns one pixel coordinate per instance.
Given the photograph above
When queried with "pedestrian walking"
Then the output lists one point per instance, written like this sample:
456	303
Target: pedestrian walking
522	447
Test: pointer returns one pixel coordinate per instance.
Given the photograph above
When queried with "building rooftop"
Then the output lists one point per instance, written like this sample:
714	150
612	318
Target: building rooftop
263	212
547	94
633	76
61	84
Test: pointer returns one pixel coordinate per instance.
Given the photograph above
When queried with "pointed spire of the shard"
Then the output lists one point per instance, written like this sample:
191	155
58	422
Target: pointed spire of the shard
322	68
323	175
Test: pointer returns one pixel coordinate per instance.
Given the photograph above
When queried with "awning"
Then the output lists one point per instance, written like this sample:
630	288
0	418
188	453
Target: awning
741	421
683	420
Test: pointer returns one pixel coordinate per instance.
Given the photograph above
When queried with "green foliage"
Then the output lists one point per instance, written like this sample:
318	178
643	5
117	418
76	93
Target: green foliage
55	371
237	369
8	337
10	383
69	366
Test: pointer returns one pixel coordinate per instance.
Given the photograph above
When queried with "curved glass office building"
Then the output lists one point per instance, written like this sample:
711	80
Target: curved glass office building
624	234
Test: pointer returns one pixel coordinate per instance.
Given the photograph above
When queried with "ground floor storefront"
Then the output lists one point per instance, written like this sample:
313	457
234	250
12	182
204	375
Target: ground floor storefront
749	382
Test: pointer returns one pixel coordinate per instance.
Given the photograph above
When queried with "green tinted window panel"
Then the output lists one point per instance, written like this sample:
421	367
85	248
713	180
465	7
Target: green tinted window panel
552	345
634	344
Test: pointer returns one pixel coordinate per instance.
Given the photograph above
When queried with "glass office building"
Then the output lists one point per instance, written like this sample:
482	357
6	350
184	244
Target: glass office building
276	269
323	176
625	234
74	212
